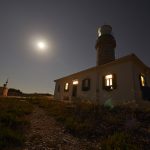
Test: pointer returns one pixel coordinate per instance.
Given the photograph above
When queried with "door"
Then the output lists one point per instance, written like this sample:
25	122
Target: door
74	91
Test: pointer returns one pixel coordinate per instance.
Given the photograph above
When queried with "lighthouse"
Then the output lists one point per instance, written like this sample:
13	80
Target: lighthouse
105	45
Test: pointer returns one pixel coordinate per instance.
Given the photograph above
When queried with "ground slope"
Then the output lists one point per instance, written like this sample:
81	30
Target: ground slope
47	134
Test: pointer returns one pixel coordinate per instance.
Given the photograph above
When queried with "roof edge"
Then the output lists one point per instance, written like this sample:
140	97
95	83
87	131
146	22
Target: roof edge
121	59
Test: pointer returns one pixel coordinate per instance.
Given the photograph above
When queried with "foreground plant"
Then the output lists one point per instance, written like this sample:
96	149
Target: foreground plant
124	126
12	122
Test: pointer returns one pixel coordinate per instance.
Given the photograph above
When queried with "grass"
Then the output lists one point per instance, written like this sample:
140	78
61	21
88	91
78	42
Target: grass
13	122
119	141
120	128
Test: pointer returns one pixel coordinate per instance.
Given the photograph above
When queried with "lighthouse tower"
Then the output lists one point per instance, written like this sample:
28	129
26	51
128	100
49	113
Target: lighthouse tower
105	45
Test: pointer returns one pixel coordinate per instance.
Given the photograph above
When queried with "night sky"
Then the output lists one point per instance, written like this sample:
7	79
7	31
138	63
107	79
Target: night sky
70	29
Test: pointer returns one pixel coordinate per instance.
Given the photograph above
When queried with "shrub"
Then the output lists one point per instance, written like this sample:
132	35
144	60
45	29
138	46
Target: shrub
12	121
10	138
119	141
88	120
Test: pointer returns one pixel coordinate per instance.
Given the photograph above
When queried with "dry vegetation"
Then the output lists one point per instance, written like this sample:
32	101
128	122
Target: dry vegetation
119	128
13	123
123	127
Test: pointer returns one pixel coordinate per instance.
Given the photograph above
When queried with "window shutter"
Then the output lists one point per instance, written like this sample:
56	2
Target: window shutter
89	84
85	84
145	81
114	81
103	82
140	80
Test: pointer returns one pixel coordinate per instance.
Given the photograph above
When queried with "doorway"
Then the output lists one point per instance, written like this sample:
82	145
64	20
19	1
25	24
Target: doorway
74	91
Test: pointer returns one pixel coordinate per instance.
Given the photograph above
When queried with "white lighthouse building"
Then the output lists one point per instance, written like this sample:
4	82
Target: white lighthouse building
121	80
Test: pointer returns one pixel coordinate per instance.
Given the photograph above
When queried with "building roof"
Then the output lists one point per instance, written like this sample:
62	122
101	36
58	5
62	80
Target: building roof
130	57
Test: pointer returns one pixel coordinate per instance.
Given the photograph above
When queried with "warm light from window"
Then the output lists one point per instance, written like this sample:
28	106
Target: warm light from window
142	80
66	86
75	82
99	32
108	80
108	76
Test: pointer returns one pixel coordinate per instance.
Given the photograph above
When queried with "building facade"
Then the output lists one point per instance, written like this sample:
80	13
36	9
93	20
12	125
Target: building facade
119	80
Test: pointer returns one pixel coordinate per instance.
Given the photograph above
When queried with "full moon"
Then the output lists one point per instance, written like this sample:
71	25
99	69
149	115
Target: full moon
41	45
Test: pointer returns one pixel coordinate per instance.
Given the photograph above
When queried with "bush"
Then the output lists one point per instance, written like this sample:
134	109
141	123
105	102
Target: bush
119	141
12	121
10	138
87	120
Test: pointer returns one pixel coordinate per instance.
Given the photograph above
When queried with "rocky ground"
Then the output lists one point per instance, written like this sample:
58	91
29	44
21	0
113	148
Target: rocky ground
46	134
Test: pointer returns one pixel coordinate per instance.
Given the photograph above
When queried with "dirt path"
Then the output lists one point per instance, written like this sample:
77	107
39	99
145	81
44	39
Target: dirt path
47	134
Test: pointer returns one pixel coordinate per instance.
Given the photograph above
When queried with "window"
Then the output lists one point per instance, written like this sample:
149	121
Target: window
109	82
66	88
142	80
85	84
75	82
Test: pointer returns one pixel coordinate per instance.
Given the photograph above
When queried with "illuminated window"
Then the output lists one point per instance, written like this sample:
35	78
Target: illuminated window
142	80
66	87
85	84
75	82
109	82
